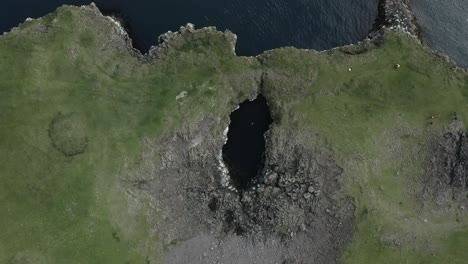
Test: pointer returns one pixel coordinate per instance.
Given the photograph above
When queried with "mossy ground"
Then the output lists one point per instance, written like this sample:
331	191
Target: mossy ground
60	208
75	110
375	118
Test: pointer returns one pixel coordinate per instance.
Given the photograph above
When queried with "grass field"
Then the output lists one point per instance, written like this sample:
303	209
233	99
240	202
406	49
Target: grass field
374	117
76	106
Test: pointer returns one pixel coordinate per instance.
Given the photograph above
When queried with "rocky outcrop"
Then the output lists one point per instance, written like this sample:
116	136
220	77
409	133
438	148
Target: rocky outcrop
170	40
296	201
188	35
294	210
446	177
395	14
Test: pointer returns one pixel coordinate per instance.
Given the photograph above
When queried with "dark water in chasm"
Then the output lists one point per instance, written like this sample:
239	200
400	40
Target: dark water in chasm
243	152
259	24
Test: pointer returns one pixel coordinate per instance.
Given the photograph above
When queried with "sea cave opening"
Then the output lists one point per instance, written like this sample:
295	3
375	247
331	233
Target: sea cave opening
244	151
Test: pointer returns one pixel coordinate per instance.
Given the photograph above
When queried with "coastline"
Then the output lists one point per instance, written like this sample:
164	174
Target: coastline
392	14
314	181
396	14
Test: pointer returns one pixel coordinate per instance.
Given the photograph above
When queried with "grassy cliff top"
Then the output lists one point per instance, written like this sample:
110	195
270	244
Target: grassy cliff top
78	103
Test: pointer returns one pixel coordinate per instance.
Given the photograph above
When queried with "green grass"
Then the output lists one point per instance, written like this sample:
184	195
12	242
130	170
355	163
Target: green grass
76	109
375	120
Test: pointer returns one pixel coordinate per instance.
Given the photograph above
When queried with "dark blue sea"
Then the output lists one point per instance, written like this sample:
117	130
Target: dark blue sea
266	24
444	26
259	24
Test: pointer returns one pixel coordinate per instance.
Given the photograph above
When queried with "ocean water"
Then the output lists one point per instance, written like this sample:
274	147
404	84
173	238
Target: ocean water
444	25
259	24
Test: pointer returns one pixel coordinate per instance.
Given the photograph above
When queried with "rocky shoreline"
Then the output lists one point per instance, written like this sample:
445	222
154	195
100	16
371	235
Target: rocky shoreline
397	15
392	14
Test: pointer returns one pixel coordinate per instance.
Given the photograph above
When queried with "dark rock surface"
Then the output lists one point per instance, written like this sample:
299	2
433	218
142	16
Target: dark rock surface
295	213
446	178
395	14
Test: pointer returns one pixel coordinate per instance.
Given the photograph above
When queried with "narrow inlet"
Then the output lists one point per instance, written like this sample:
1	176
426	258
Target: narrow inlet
244	151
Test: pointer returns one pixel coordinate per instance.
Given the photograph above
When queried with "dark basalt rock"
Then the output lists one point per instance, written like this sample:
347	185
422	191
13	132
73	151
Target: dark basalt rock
395	14
446	175
296	202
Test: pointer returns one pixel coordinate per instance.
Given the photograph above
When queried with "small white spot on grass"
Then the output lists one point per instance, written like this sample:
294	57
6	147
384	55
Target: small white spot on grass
181	95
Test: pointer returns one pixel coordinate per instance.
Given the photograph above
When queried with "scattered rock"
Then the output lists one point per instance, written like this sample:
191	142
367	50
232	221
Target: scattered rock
272	177
392	240
303	227
182	94
197	203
